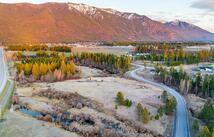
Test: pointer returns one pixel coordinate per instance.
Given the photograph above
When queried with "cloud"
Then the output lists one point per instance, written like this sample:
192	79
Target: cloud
204	4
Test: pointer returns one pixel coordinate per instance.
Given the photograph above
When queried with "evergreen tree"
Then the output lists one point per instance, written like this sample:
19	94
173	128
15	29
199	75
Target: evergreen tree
164	96
207	113
143	114
120	98
170	105
139	110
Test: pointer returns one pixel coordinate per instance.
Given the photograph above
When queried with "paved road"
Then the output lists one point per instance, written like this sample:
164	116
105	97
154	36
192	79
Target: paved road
3	71
181	123
8	94
3	83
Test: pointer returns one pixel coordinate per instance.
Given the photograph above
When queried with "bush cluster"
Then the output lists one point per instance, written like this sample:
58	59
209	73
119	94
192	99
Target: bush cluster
122	101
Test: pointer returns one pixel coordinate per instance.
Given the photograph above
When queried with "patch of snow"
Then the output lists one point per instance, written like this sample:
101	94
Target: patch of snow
85	9
130	16
175	22
95	12
126	15
181	24
112	11
91	11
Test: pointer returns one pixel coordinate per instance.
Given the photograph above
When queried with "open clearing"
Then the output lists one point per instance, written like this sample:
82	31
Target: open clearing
102	88
118	50
195	103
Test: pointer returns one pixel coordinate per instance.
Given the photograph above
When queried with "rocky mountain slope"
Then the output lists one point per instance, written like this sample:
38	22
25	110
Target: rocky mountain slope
67	22
188	31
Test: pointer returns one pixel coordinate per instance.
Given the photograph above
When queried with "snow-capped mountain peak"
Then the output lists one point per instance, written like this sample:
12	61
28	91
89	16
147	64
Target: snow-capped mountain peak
181	24
90	10
80	22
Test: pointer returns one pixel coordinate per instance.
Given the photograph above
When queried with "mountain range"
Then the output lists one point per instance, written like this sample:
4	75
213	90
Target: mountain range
69	22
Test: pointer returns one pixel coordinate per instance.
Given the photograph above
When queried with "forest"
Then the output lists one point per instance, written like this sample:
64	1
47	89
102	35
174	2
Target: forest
109	62
173	56
202	86
46	68
199	85
206	116
53	66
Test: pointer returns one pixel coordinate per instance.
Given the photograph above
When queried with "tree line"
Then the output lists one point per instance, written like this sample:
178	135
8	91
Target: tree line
154	48
178	57
140	43
109	62
173	56
38	47
203	86
54	66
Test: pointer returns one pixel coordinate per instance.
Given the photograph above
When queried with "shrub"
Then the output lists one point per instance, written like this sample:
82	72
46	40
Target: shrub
157	117
205	132
116	107
128	103
161	111
195	126
120	98
121	101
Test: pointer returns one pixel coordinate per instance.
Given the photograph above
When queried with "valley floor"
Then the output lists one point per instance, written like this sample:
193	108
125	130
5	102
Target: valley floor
98	88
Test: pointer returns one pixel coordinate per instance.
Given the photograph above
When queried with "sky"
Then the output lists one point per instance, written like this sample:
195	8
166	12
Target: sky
197	12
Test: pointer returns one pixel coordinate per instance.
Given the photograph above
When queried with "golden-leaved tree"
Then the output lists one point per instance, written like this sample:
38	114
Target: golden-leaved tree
36	71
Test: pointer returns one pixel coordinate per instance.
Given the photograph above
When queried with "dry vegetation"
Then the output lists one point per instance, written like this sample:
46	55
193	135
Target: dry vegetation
94	98
87	105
